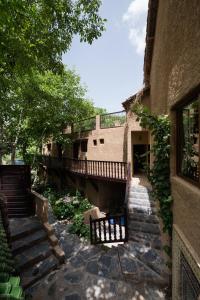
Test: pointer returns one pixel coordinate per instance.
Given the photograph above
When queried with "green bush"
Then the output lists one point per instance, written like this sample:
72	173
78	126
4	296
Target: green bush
78	227
71	210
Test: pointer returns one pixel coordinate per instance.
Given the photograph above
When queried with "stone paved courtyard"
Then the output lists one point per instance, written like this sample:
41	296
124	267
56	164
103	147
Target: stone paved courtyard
95	272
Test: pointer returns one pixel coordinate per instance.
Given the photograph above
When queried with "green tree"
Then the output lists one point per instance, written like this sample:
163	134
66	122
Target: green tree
41	107
35	34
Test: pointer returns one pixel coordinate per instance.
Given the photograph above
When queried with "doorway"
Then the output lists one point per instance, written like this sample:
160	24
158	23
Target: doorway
140	158
76	146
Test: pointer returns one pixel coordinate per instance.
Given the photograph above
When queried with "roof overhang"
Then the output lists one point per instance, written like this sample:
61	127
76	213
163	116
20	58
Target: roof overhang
150	36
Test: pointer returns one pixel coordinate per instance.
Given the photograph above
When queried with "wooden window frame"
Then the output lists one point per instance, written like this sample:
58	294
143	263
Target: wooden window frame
192	97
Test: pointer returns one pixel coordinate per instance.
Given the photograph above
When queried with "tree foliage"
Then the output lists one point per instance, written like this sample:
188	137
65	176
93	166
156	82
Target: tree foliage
37	95
159	174
41	107
35	34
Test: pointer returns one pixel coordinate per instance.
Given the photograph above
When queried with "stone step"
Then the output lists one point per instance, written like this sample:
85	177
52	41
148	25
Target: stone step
136	195
151	257
132	208
38	271
140	217
139	189
140	202
150	240
141	263
144	227
28	241
19	228
33	255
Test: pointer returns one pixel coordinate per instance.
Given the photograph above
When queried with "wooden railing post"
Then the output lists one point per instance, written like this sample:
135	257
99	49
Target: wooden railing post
126	225
91	233
86	166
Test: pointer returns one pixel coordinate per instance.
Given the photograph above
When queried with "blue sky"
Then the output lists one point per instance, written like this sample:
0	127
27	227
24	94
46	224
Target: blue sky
112	67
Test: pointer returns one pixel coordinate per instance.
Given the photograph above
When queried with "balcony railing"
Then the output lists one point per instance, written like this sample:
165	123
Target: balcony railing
112	120
92	168
85	125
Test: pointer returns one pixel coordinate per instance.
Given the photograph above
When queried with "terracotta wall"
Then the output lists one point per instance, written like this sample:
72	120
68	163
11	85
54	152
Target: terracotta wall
113	148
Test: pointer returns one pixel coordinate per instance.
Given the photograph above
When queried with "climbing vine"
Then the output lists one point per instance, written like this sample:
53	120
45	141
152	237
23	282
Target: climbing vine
159	173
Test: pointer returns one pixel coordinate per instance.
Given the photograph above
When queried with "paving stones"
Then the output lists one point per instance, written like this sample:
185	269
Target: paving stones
73	297
73	277
94	272
77	261
92	267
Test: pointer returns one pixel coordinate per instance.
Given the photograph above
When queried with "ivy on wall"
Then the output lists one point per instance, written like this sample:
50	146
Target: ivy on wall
159	173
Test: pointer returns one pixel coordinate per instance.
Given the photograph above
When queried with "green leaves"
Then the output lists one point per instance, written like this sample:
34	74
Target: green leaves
40	106
36	33
72	210
159	174
37	95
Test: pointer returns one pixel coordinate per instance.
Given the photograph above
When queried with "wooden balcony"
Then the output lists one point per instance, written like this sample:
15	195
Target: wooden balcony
108	170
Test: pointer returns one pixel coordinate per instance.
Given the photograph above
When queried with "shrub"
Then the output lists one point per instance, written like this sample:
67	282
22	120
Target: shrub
69	205
78	227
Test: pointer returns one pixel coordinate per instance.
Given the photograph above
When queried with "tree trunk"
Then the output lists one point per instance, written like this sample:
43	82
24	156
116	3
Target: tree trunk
1	161
13	154
24	151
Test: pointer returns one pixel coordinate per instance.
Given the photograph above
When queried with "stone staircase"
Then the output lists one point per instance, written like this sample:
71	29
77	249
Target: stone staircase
31	249
142	257
96	272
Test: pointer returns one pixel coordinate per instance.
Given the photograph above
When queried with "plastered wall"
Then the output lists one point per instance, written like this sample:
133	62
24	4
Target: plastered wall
176	55
114	147
175	71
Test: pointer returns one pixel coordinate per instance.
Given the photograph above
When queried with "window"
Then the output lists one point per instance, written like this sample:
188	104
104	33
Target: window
95	142
190	287
188	149
84	146
101	141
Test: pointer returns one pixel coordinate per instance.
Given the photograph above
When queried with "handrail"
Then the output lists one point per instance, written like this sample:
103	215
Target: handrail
113	120
84	125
